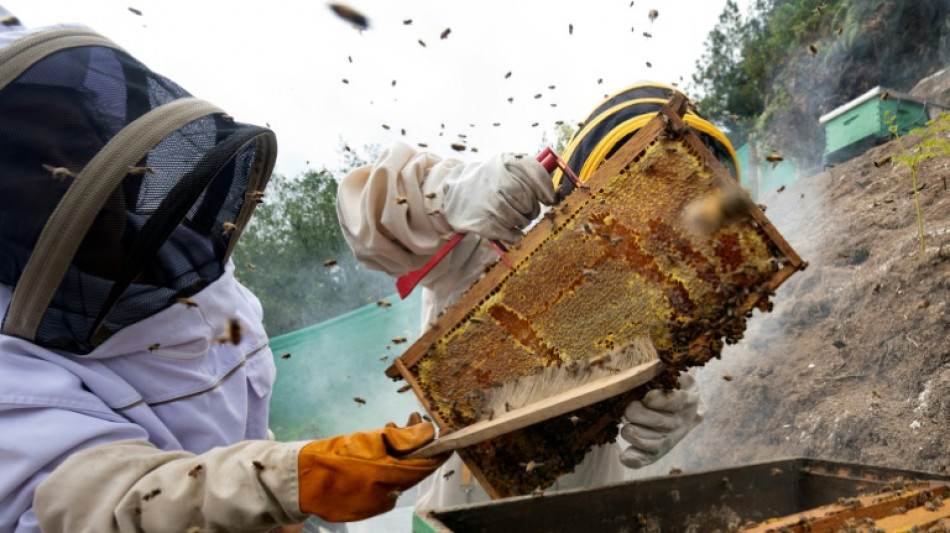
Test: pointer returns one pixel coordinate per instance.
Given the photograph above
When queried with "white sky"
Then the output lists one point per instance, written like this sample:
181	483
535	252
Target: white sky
282	63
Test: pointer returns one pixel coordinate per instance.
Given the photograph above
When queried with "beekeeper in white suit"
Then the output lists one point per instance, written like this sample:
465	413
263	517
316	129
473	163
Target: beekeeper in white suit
135	373
493	199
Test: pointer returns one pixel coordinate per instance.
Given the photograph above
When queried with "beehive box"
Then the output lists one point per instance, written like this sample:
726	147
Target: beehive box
611	266
861	123
811	494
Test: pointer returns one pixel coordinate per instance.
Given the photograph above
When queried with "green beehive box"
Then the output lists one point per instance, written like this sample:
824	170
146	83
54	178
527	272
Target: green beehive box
861	123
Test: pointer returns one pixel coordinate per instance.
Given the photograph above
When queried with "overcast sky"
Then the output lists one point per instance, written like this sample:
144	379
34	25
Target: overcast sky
283	63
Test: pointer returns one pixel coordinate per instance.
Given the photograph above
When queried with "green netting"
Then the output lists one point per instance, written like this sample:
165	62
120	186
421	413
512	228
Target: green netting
335	361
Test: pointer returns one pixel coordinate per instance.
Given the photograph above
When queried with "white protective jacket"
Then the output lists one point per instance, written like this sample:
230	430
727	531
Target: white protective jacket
129	438
397	238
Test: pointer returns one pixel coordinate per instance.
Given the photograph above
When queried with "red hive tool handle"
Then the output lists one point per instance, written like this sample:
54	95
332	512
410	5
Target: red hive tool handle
406	283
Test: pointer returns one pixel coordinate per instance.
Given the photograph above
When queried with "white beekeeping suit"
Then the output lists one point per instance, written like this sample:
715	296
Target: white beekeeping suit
488	200
135	372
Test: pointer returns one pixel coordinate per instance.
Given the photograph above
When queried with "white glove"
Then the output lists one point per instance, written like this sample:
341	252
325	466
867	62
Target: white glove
660	420
496	198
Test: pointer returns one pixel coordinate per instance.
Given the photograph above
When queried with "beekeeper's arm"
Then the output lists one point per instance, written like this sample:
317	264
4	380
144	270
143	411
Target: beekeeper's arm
396	212
131	485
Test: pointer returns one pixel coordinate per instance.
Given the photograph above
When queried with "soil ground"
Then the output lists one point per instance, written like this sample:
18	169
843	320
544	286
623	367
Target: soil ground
853	363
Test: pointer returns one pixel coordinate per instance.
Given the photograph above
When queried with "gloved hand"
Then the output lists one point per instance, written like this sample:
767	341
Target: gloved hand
356	476
659	421
497	198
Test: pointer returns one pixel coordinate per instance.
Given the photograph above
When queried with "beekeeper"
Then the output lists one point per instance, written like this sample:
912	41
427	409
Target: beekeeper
493	199
135	373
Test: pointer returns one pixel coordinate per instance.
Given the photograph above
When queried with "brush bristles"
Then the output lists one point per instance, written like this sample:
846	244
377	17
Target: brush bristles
554	380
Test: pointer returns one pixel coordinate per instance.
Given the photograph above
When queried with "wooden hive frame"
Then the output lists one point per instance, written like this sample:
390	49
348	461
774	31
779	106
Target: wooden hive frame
668	125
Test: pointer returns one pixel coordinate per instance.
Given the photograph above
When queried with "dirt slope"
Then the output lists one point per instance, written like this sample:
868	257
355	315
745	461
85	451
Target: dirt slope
853	364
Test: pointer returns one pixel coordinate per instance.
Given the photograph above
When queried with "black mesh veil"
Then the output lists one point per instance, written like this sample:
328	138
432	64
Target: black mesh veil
113	177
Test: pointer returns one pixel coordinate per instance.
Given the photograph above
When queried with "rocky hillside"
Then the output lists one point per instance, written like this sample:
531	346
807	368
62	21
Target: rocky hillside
853	364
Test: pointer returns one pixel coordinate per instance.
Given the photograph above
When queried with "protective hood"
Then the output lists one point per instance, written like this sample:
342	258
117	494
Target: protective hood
120	194
618	118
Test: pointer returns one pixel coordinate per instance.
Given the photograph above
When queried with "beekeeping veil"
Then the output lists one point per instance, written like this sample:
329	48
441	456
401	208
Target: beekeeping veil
119	192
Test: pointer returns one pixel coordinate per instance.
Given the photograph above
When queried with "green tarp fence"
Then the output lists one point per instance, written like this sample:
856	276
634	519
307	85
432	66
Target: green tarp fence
336	361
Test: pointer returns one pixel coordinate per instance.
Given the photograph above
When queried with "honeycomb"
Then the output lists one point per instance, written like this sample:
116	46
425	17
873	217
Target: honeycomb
620	265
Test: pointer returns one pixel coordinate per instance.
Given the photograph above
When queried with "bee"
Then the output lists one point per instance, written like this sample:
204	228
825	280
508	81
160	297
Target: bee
359	400
407	22
259	466
383	303
154	347
132	9
152	494
885	95
534	124
188	302
60	173
445	33
574	419
250	266
558	122
839	31
818	9
649	65
228	227
195	470
876	393
511	99
780	189
233	332
647	34
588	229
537	96
422	43
508	407
537	493
458	147
653	14
600	81
477	320
448	474
735	118
430	195
883	161
141	171
633	29
422	145
812	49
674	471
507	74
399	340
570	29
402	131
401	200
384	358
329	263
404	388
774	158
386	127
530	466
631	3
727	377
350	15
349	58
427	418
394	494
285	356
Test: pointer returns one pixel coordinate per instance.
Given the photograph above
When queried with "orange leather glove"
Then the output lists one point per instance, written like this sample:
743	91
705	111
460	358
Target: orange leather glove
353	477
